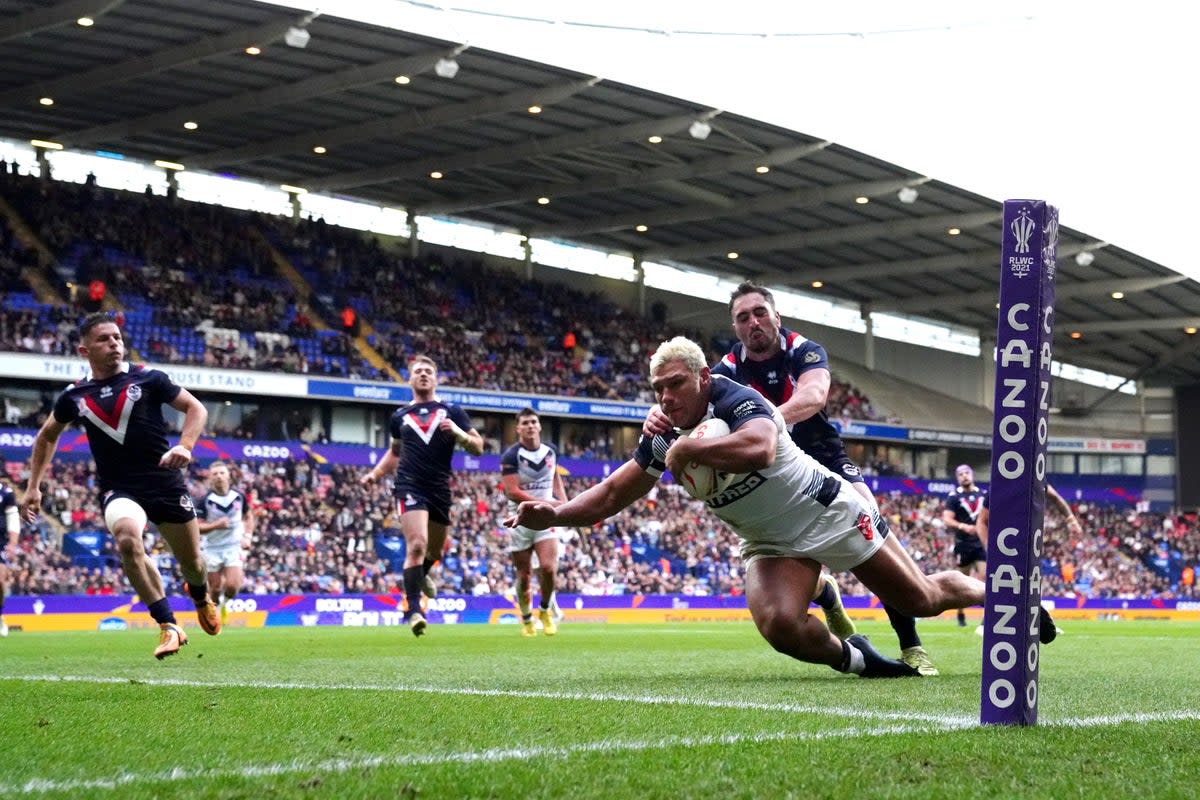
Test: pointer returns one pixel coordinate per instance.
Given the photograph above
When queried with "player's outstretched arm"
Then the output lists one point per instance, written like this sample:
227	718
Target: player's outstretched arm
606	498
1064	508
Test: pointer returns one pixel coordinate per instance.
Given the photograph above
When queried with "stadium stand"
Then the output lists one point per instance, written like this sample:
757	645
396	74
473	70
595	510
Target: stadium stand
195	284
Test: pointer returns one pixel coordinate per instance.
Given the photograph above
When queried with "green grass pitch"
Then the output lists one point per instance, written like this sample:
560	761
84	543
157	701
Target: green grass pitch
617	711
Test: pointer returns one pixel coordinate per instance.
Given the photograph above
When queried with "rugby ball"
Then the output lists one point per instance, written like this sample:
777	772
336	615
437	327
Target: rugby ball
700	480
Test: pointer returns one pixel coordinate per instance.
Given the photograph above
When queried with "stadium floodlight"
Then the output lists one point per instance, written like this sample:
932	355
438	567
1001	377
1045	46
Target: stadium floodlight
296	37
908	195
700	129
1084	258
446	68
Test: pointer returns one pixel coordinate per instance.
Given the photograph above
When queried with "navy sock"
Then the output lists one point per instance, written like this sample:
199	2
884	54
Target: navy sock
905	628
160	609
826	599
427	565
413	578
199	594
962	617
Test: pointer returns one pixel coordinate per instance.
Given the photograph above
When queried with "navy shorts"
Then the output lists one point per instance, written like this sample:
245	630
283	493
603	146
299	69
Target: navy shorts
842	466
415	498
969	551
162	504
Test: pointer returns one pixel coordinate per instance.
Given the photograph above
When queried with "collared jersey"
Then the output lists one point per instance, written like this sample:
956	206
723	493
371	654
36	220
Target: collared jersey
789	497
966	505
123	418
534	469
776	379
426	451
231	505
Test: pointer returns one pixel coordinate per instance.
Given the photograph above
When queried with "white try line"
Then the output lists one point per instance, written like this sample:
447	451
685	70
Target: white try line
948	720
338	765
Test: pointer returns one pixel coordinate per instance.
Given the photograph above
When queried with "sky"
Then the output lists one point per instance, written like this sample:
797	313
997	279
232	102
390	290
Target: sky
1088	105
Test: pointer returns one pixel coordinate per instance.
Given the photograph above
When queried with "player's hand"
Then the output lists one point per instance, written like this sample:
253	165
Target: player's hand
680	454
177	457
537	515
369	477
451	427
31	504
1074	527
656	422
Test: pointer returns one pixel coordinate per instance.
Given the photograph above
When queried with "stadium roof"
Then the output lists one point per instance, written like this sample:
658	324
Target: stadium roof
129	82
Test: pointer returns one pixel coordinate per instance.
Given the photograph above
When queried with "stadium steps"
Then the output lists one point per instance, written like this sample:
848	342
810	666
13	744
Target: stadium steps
43	288
304	289
915	405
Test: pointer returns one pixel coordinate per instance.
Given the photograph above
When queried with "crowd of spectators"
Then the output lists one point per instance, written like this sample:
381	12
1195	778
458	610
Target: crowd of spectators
316	532
207	270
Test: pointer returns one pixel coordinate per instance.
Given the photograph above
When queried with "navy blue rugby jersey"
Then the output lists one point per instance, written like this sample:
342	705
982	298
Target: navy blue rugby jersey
123	418
426	451
775	379
966	505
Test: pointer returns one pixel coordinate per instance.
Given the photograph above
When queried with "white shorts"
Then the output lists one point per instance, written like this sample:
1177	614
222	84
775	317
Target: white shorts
524	538
839	538
217	558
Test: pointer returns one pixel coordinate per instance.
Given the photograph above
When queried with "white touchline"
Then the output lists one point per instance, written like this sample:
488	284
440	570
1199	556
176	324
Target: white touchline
602	697
41	785
944	720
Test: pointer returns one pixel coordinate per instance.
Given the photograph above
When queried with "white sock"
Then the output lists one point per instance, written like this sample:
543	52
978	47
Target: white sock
857	662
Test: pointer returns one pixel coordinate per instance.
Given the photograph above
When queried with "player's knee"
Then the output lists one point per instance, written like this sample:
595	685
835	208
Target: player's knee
124	517
787	632
129	546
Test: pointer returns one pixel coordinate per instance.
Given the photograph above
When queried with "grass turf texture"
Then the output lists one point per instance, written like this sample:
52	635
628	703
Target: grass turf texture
615	711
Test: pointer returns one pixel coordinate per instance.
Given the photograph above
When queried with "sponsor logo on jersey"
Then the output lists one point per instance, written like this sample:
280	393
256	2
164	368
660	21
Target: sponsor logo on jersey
737	491
812	358
185	501
745	408
850	469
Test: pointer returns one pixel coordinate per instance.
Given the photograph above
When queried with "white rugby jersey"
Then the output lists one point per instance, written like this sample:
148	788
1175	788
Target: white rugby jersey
790	497
231	505
534	470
